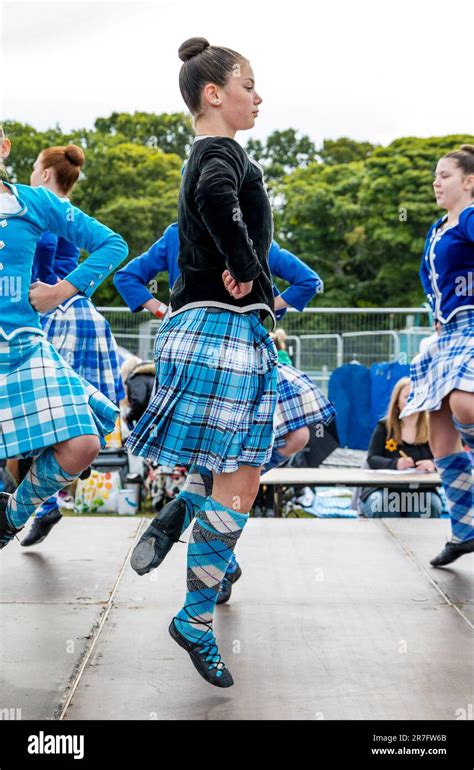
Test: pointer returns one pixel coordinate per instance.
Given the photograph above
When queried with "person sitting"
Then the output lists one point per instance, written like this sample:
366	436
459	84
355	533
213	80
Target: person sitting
400	444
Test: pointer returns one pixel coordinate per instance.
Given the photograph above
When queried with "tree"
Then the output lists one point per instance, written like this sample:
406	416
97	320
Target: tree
319	220
282	153
128	185
362	224
171	133
134	190
398	206
355	212
127	170
344	150
27	143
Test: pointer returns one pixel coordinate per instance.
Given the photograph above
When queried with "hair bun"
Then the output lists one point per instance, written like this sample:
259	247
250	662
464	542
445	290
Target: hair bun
467	148
192	47
74	155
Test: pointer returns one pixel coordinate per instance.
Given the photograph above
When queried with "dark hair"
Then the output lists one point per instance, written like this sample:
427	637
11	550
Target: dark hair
66	162
203	63
464	158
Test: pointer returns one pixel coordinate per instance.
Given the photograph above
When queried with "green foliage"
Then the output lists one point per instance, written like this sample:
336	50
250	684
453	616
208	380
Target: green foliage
27	143
355	212
170	133
361	223
344	150
128	182
282	153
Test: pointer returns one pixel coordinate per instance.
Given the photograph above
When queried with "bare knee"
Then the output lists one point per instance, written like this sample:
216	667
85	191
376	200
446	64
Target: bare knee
90	449
244	498
237	490
462	406
249	498
443	437
296	440
76	454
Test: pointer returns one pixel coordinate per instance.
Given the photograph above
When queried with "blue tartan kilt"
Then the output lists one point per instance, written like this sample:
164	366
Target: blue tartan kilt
216	392
446	364
84	339
43	401
300	403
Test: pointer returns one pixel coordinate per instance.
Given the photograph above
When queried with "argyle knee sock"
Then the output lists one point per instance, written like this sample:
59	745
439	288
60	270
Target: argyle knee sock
211	543
197	486
466	431
455	472
44	478
276	459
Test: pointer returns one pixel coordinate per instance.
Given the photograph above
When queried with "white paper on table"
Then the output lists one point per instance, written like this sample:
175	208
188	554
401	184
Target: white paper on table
397	472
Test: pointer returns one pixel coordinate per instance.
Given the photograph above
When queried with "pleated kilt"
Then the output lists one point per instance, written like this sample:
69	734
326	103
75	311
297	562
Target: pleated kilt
300	403
43	400
84	339
216	392
446	364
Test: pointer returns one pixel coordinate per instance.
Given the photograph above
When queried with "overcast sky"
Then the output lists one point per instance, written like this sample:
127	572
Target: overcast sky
365	69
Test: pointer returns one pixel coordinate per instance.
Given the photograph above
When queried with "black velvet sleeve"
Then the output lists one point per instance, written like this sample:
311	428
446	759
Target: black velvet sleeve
222	170
376	456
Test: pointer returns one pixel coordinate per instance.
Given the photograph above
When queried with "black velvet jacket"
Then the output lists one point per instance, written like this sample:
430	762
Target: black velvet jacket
225	222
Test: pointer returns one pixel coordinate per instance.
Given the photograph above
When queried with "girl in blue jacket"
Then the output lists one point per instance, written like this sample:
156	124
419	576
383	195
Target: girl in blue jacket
442	376
47	411
300	403
75	328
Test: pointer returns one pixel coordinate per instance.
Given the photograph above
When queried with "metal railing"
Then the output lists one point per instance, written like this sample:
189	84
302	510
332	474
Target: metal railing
318	339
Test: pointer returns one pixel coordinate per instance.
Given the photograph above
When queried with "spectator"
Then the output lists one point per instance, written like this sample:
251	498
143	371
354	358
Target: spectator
279	338
401	444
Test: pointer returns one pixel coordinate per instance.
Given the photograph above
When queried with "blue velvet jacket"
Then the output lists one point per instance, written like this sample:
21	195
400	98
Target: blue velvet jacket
131	281
447	266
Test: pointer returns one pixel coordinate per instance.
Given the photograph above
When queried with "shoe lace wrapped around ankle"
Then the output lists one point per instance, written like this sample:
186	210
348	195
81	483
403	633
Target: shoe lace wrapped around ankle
211	651
208	647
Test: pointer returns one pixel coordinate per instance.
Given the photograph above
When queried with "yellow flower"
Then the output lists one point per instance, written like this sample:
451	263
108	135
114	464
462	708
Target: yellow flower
391	445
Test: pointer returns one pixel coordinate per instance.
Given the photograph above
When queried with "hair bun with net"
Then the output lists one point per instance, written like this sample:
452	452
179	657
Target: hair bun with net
192	47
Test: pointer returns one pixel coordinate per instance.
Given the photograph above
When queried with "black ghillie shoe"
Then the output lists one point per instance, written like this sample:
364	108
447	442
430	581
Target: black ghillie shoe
158	539
451	552
7	530
225	588
41	527
202	654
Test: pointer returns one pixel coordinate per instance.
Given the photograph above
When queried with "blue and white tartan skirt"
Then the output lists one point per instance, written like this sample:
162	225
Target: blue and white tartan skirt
446	364
43	400
85	340
300	403
216	392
